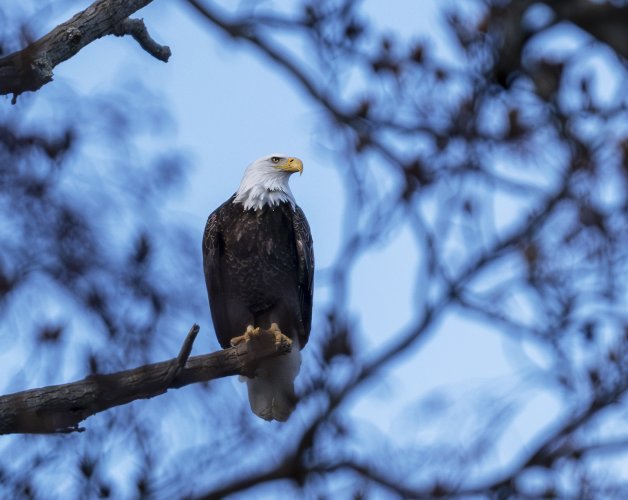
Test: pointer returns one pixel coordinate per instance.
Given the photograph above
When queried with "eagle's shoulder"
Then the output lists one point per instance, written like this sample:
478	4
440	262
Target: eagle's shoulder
215	222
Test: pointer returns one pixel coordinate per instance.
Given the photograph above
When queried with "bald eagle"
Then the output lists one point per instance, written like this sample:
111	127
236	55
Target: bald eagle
259	267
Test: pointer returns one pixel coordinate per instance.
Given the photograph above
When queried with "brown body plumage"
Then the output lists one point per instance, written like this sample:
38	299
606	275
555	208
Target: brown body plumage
258	269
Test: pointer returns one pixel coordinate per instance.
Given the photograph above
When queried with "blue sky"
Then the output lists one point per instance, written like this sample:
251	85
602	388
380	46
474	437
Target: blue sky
229	107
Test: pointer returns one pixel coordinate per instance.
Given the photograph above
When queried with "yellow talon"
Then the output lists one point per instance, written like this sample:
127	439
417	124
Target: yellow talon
256	335
279	337
247	337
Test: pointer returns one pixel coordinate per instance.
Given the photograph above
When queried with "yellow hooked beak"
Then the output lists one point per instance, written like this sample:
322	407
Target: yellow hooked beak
292	165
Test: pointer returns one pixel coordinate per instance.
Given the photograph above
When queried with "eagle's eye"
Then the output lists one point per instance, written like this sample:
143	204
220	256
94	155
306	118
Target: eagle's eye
275	159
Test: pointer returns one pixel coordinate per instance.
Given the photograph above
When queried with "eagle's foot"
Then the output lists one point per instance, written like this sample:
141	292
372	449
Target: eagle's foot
280	338
249	335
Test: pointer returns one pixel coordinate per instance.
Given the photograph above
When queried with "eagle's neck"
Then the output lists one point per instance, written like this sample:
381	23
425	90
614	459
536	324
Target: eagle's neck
263	187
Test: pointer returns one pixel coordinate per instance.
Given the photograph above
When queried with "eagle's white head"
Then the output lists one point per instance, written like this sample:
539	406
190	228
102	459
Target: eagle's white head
265	181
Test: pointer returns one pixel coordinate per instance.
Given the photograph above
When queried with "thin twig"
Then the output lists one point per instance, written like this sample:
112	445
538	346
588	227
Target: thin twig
137	29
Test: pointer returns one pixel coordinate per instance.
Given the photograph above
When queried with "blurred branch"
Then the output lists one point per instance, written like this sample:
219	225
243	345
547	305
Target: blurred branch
247	31
60	408
605	21
559	444
454	289
610	446
31	68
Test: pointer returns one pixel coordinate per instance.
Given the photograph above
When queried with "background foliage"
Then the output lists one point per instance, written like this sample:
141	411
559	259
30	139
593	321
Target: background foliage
500	151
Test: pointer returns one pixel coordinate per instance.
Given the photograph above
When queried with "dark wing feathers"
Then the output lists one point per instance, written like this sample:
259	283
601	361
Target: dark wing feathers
209	237
305	254
212	242
213	250
213	247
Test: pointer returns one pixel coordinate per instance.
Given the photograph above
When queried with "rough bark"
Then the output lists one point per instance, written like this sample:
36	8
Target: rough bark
60	408
32	67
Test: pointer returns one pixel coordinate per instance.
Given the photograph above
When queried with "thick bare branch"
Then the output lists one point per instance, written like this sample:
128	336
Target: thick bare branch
60	408
32	67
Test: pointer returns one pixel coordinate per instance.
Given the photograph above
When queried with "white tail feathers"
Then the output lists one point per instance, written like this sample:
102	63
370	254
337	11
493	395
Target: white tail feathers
271	392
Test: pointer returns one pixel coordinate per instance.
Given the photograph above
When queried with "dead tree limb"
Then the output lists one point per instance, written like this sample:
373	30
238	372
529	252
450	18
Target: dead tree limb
32	67
60	408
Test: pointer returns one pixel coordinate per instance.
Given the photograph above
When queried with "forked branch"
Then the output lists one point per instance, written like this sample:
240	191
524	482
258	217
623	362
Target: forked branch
32	67
61	408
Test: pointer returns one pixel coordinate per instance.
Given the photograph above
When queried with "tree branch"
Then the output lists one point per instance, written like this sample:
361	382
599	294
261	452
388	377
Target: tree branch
137	29
31	68
60	408
605	21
